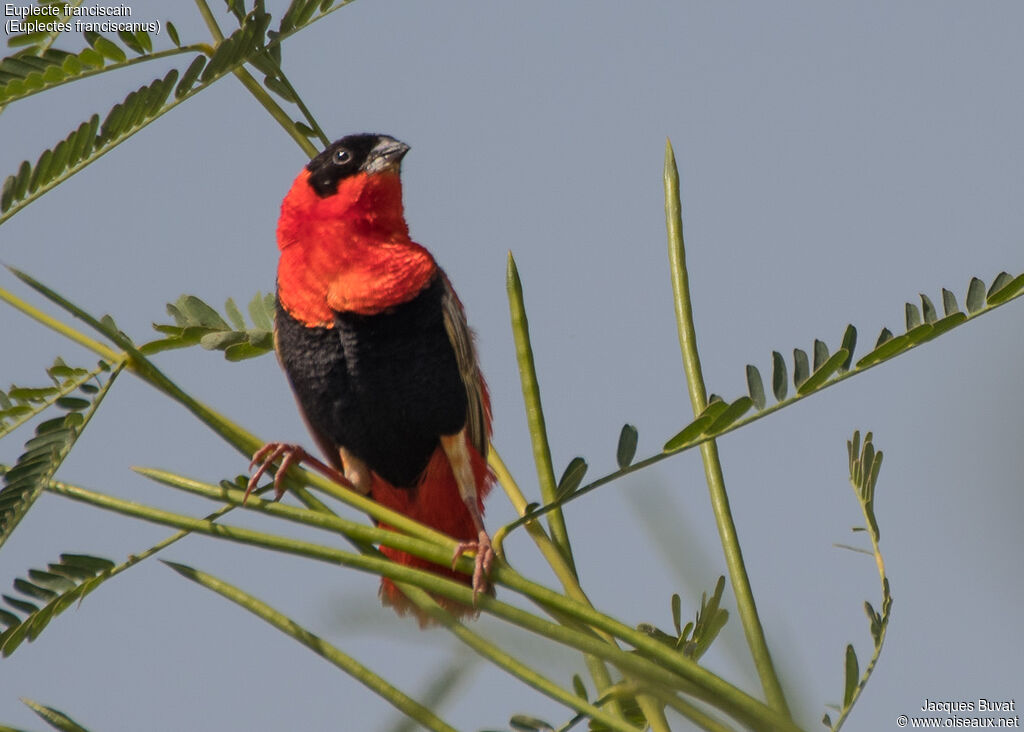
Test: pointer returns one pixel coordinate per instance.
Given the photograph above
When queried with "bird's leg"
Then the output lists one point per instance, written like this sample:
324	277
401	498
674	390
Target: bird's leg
456	450
356	471
289	455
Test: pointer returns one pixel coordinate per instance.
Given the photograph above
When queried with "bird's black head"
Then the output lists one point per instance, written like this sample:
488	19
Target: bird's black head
351	155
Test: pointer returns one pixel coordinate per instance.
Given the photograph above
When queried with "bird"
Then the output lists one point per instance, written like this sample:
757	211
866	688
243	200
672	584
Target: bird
376	348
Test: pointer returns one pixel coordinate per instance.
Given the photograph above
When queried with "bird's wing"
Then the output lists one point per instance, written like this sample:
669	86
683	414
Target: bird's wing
478	418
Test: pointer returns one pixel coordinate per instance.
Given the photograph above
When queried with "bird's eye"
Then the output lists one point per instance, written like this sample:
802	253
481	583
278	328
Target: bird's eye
342	156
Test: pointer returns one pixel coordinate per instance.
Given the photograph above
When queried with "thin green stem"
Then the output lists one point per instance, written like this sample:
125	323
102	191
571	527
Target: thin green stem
709	450
275	111
286	82
319	646
534	409
107	354
566	567
653	711
210	20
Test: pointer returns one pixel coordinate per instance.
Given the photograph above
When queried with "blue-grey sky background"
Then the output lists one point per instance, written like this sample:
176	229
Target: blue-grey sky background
836	160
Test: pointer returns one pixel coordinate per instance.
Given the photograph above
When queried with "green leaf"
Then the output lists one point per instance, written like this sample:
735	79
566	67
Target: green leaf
852	676
64	584
928	309
55	718
220	340
200	313
801	367
755	387
949	305
883	337
234	315
888	349
43	454
1007	289
173	33
677	613
626	450
131	41
848	344
526	723
730	414
975	295
822	374
261	310
780	378
689	433
913	316
243	351
572	477
1002	280
820	353
579	688
947	323
188	79
276	86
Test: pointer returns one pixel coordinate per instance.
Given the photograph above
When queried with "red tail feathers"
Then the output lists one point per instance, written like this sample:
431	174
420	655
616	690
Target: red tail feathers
435	502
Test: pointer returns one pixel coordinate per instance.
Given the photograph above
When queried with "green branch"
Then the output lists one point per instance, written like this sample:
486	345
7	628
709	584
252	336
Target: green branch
709	450
657	665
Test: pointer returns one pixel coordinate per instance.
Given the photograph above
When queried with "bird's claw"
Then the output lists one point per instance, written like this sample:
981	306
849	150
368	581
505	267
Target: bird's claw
265	457
482	565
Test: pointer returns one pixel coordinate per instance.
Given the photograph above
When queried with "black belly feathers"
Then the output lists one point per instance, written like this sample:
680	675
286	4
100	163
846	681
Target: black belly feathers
384	386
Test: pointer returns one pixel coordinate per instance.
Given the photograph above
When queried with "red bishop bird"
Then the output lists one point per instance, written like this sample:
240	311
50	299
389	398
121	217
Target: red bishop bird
375	345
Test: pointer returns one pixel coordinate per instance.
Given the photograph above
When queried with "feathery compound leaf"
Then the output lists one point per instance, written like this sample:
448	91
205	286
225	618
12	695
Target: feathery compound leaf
755	387
19	404
43	455
864	463
63	584
195	322
626	450
122	121
139	108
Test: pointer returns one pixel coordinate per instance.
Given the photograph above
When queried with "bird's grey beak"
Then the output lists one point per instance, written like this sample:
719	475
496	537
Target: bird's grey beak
385	155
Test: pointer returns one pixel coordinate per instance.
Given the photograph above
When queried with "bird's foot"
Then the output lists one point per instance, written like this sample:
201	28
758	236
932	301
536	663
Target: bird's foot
484	560
266	456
